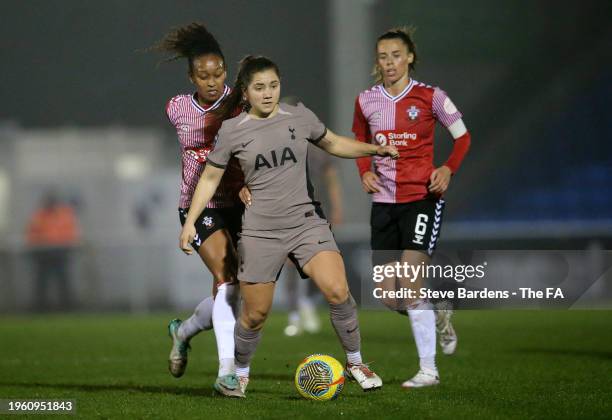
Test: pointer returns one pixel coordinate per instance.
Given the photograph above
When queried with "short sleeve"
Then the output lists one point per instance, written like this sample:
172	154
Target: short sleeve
316	127
444	109
222	149
361	128
171	111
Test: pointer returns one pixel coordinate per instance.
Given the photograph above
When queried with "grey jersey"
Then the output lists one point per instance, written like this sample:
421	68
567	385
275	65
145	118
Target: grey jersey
272	153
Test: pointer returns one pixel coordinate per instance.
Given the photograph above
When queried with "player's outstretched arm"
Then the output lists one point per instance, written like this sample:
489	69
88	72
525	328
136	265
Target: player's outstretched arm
345	147
207	185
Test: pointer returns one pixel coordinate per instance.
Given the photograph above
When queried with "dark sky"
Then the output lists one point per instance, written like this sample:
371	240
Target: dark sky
73	62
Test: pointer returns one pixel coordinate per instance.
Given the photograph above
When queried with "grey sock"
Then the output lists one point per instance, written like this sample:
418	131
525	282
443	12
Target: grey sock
345	322
200	320
246	342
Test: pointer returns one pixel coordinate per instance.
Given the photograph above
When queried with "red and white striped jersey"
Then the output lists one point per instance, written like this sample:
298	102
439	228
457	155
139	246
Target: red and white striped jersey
197	128
406	121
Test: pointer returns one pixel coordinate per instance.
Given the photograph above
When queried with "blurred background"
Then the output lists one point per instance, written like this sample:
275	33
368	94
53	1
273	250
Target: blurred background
90	168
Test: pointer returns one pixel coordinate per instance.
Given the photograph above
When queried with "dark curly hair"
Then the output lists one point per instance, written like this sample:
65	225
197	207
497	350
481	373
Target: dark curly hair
189	41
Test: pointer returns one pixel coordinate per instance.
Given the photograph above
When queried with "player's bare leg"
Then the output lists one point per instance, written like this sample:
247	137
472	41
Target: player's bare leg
326	269
256	304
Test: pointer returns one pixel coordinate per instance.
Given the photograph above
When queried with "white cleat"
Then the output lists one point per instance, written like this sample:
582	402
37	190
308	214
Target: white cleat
445	330
243	381
367	380
423	378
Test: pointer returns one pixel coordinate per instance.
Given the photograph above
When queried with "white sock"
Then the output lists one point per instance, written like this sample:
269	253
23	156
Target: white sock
200	320
243	371
224	319
354	358
226	367
423	321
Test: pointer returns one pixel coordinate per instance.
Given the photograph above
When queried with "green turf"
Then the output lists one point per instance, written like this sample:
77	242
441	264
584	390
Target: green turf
509	364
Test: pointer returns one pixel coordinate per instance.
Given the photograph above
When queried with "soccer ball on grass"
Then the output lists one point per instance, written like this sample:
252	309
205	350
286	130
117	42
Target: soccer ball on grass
319	377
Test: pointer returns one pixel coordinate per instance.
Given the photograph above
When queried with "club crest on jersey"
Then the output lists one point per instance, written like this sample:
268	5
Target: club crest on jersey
413	112
292	131
381	139
208	222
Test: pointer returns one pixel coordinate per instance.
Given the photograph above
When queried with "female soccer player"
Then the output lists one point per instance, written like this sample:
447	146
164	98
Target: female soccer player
217	226
407	193
270	141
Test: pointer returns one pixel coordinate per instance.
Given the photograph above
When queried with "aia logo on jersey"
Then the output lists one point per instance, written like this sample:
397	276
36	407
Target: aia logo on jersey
413	112
275	160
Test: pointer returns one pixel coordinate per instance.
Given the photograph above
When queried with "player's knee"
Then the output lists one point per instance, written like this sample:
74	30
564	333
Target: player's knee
337	295
254	319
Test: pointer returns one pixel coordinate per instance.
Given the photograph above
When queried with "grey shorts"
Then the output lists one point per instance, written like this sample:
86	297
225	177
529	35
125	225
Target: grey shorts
263	253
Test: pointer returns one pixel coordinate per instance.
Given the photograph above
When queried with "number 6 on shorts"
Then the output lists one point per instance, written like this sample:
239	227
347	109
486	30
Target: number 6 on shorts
420	228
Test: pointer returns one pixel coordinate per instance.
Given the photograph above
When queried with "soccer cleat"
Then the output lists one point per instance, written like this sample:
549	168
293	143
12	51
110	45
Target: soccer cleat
229	386
367	380
244	381
177	361
424	377
445	330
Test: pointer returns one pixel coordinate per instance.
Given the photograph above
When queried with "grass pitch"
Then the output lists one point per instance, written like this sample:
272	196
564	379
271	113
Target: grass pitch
509	364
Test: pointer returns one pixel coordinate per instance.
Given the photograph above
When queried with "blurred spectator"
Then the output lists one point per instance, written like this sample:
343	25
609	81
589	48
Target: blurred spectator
52	235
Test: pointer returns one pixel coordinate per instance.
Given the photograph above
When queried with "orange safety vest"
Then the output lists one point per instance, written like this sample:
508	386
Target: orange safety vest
55	226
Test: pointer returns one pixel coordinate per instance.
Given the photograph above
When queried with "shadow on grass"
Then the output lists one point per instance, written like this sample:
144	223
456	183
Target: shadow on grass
195	391
596	354
147	389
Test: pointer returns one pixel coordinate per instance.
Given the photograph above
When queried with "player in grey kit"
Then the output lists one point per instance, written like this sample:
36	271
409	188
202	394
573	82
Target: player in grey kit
270	142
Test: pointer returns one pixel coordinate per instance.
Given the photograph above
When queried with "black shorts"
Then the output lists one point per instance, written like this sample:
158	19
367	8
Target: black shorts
212	220
397	227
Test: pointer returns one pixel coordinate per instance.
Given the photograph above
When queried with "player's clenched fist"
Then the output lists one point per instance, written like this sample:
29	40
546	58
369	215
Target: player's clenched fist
439	180
186	238
390	151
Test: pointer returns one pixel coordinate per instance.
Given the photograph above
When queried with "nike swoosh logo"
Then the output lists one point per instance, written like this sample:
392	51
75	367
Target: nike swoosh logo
353	330
322	242
244	145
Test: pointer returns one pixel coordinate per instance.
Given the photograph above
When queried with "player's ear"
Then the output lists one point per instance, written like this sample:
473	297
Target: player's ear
410	58
191	78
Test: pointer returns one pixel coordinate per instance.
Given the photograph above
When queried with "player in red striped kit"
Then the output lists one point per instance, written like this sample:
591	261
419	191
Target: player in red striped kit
217	228
407	193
